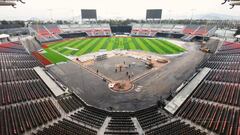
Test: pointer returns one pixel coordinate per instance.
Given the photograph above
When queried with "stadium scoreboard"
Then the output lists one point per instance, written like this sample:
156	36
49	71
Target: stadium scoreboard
89	14
154	14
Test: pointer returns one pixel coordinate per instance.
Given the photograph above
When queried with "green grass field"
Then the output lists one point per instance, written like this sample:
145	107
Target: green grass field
77	47
54	57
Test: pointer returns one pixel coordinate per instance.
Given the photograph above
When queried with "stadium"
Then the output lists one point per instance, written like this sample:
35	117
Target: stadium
99	76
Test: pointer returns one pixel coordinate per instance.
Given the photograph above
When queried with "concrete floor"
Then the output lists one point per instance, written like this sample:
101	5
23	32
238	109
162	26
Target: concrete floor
107	67
147	90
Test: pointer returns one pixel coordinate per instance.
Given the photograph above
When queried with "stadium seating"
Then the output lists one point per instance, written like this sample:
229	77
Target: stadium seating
174	128
92	30
150	117
11	47
70	103
214	103
41	58
202	31
223	62
18	119
121	125
24	97
46	35
198	30
91	116
41	30
152	33
53	28
190	29
225	93
222	120
144	30
178	28
67	127
27	103
167	29
17	92
48	38
230	48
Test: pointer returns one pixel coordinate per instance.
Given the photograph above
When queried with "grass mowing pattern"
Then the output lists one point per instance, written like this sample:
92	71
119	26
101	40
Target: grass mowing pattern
53	56
79	47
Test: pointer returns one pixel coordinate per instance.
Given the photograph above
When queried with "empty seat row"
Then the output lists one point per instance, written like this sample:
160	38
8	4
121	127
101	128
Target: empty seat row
175	128
216	118
222	65
66	127
225	58
190	29
70	103
151	117
231	76
16	120
8	75
15	57
226	52
142	32
202	31
229	46
48	38
54	29
121	133
121	125
19	64
11	47
41	30
90	117
17	92
224	93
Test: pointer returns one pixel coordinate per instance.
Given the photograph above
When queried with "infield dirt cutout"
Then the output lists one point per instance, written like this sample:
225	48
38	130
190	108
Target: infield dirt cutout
121	69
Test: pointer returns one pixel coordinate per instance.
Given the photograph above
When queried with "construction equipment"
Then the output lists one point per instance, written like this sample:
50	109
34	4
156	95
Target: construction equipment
206	50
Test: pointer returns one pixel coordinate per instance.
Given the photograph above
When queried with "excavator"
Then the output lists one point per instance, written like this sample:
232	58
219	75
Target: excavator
203	48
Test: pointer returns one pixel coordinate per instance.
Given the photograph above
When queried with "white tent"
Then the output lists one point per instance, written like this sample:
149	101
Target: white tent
238	36
4	36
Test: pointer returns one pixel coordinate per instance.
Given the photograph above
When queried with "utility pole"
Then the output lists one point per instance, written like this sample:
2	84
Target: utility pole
192	11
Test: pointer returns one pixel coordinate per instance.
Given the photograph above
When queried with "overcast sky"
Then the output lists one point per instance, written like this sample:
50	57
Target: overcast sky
115	9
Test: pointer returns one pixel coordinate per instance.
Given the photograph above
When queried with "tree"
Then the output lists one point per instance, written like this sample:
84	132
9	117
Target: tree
4	22
237	32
